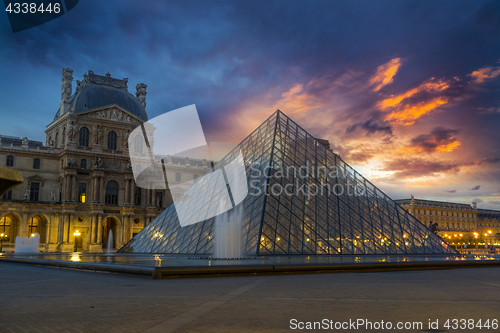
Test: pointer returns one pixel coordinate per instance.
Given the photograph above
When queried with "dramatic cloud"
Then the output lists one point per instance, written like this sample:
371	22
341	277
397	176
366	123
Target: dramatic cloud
417	167
440	139
475	188
385	73
485	74
407	107
371	127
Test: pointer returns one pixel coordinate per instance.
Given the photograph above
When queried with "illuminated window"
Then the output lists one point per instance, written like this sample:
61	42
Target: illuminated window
82	192
5	223
33	226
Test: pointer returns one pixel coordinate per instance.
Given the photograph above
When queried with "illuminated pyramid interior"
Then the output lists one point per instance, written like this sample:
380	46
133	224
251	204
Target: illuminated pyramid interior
276	223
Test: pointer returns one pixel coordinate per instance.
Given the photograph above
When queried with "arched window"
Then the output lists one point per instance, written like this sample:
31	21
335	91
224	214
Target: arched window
36	163
63	139
84	137
138	144
10	160
111	193
112	140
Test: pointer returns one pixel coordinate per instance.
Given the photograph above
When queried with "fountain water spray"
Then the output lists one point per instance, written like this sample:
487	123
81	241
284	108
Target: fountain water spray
110	241
27	244
227	239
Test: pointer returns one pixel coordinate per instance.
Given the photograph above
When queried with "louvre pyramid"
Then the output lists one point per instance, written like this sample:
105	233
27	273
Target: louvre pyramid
331	223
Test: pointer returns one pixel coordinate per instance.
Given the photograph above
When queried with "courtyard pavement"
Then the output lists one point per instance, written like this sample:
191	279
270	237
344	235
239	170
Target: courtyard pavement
44	299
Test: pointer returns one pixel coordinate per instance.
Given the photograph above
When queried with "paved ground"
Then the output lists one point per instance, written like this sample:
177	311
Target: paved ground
43	299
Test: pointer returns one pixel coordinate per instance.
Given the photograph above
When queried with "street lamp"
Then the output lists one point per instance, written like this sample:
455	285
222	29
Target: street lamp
1	242
76	234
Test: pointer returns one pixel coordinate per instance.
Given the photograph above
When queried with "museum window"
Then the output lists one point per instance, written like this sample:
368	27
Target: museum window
83	164
159	199
112	193
10	160
82	192
138	144
84	137
7	195
34	191
177	177
5	223
195	177
137	196
33	226
36	163
112	140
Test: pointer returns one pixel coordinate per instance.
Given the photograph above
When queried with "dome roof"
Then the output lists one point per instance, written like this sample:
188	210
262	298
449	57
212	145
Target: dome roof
95	96
100	91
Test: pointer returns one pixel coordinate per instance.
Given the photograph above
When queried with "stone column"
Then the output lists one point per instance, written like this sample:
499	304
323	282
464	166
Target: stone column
132	191
65	188
60	228
127	191
131	227
74	188
99	229
91	229
102	186
147	197
94	189
48	232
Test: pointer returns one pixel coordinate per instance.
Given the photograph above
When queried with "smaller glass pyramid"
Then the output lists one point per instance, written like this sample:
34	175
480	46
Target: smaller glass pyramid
303	199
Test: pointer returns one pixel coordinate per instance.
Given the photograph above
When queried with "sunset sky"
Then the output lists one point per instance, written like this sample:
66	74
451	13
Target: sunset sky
407	92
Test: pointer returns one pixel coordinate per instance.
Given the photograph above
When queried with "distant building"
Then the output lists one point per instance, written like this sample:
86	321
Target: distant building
80	181
457	223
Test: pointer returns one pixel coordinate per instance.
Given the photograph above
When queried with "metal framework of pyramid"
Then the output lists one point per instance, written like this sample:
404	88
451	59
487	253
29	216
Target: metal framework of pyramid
328	223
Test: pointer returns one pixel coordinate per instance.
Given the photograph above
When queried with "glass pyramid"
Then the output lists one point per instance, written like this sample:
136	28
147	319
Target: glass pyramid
302	199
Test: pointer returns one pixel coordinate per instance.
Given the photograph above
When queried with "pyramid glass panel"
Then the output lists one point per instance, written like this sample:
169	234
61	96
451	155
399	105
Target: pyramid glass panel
302	199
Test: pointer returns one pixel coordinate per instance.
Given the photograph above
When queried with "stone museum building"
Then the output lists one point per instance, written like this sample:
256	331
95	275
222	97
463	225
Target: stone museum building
457	223
79	185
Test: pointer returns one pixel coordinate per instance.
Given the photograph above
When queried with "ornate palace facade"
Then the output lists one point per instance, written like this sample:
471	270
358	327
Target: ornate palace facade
457	223
79	184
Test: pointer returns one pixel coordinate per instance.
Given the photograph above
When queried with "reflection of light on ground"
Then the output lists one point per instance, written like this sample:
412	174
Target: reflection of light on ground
75	257
157	260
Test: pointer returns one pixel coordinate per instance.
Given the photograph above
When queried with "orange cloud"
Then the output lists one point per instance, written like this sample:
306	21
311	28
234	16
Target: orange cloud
385	73
484	74
414	150
430	86
407	114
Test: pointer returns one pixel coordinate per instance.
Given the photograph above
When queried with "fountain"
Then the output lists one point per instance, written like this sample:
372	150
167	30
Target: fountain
228	234
110	241
27	244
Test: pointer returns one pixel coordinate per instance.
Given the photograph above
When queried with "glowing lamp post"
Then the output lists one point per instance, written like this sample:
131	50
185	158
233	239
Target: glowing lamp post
1	242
